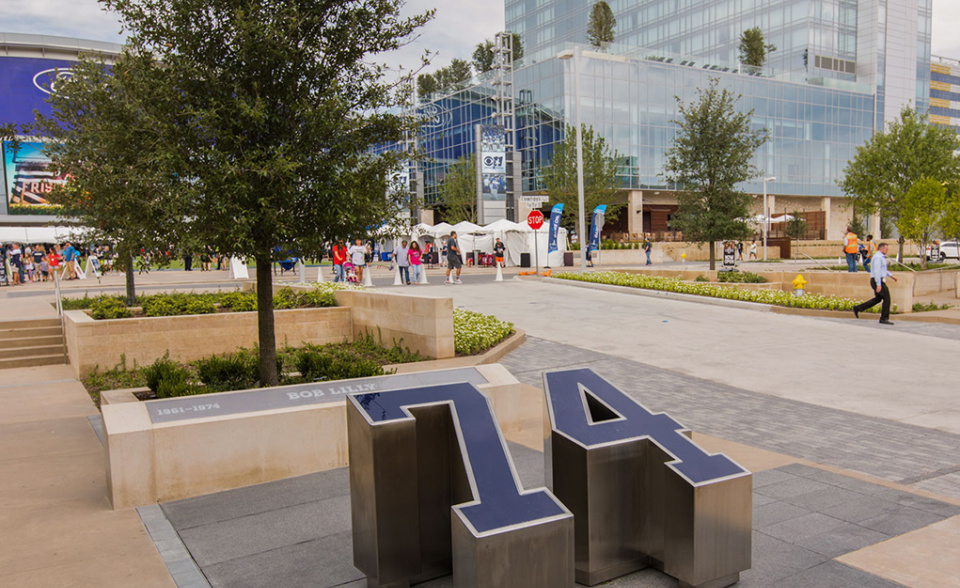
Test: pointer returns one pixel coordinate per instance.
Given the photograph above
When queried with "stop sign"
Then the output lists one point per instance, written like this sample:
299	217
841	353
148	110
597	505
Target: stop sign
535	219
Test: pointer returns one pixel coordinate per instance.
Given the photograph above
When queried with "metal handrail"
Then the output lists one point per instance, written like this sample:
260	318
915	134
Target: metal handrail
826	267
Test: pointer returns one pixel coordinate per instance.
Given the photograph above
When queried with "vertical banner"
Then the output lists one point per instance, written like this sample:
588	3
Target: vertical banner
554	227
596	226
493	173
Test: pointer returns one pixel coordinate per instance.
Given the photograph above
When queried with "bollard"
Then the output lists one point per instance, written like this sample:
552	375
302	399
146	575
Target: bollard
320	277
367	280
423	275
499	277
397	280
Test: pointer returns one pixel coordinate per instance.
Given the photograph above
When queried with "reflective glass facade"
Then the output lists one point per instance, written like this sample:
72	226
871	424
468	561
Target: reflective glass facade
945	92
813	130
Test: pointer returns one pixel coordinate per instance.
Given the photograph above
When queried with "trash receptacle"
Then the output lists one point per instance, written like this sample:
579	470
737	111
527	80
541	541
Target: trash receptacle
524	260
568	258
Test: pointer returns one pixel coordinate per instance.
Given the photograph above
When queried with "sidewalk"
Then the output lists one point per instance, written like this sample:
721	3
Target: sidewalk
56	526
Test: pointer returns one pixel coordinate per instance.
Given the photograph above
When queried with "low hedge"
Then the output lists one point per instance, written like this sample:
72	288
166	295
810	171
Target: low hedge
474	332
322	294
774	297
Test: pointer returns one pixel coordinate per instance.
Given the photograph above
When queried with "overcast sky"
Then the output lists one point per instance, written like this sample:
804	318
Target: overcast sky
459	25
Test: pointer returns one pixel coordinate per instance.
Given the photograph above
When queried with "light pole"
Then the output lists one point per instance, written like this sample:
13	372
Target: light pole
766	217
581	235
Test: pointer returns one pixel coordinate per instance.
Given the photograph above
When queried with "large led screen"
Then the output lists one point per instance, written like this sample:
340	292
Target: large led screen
29	179
25	85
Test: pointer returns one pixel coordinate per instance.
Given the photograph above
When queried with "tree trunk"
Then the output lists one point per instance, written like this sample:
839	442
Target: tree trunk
713	256
265	322
131	289
900	242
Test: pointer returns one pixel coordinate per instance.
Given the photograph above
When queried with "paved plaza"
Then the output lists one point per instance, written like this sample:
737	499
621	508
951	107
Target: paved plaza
852	431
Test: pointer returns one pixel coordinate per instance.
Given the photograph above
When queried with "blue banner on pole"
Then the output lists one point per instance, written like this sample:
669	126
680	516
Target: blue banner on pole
554	227
596	226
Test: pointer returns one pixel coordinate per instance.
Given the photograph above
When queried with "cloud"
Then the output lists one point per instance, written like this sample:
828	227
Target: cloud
83	19
946	21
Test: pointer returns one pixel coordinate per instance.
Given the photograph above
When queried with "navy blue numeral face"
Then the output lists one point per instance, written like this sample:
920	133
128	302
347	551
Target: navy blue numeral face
589	410
499	502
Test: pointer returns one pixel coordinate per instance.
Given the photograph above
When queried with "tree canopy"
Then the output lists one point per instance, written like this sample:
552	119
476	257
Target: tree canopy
753	49
446	79
884	169
459	190
483	55
921	215
106	139
710	156
600	28
600	183
266	113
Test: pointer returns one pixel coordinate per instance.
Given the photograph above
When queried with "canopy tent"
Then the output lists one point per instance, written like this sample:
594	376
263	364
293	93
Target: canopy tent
466	228
782	218
31	235
517	238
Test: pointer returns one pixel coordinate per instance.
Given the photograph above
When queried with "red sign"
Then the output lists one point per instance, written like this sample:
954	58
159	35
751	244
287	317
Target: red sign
535	219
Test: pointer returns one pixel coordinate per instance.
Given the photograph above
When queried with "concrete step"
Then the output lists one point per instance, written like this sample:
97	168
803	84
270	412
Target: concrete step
32	361
29	324
26	333
51	339
31	351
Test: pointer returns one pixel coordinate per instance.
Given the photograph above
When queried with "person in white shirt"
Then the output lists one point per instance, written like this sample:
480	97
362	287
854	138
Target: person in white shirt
358	257
878	279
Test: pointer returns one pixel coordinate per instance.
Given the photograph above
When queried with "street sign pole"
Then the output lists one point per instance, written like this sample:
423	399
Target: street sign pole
535	221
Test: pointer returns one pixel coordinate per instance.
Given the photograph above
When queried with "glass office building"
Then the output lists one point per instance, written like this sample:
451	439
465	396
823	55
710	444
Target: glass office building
945	92
842	68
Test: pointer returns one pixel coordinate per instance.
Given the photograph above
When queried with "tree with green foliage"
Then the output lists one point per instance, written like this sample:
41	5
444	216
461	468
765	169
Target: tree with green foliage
710	156
600	182
459	190
105	139
600	28
921	214
950	221
796	226
884	169
446	79
483	55
753	49
268	112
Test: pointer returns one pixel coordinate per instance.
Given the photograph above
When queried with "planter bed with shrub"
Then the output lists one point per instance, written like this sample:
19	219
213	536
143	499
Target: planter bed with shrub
776	298
474	333
193	303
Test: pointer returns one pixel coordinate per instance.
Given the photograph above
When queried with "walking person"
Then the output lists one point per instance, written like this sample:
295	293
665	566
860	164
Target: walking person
358	257
851	250
753	249
402	259
878	282
739	250
869	249
70	260
453	258
498	251
339	251
416	261
16	265
647	248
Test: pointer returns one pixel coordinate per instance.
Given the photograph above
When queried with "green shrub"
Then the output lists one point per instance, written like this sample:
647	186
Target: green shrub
164	371
239	301
161	307
775	297
921	307
329	362
701	278
474	332
286	298
198	306
741	278
232	371
109	308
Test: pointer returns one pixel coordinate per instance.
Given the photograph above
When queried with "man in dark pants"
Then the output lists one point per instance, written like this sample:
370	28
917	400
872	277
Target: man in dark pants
878	278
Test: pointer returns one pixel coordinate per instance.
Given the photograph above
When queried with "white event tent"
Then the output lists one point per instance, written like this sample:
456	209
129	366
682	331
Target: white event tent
517	238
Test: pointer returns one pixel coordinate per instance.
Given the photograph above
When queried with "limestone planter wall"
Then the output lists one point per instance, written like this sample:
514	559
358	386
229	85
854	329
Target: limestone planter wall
934	282
91	343
150	462
422	324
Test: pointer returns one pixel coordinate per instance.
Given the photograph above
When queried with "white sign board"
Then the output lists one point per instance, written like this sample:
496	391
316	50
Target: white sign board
238	269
